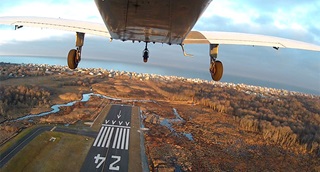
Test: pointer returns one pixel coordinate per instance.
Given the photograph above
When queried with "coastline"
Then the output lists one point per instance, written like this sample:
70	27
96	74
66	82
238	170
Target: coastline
154	69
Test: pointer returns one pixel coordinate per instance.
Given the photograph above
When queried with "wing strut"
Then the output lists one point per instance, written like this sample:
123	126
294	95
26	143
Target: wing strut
184	52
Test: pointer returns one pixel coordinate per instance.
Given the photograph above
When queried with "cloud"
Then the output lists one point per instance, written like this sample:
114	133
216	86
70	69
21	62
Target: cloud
81	10
85	10
28	34
272	18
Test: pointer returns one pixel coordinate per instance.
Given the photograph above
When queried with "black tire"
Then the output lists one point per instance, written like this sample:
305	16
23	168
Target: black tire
218	72
145	56
72	64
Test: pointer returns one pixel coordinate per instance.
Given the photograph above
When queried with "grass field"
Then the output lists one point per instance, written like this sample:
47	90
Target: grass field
66	153
15	139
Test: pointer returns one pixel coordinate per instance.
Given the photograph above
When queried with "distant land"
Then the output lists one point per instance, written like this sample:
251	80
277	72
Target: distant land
153	69
190	124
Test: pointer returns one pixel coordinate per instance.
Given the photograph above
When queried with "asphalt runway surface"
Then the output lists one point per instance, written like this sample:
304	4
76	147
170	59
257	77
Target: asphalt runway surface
110	149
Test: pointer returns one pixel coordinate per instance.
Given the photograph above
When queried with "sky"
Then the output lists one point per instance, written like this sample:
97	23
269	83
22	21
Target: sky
286	18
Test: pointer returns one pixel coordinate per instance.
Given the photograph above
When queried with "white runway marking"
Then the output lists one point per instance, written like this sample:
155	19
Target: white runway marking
101	138
127	140
115	139
119	126
109	138
121	137
95	142
105	138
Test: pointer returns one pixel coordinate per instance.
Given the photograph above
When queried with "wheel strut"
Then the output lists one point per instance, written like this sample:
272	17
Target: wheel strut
74	56
216	67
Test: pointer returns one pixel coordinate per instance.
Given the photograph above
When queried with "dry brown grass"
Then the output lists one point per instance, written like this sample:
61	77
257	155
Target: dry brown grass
67	153
69	96
123	89
219	143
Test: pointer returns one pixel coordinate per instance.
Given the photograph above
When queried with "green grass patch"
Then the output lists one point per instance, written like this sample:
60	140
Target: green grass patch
66	153
16	138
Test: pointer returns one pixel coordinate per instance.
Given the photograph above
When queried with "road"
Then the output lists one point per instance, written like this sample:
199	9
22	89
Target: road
14	149
110	150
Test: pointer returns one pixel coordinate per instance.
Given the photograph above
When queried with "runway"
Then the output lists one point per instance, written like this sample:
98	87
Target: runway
117	141
110	149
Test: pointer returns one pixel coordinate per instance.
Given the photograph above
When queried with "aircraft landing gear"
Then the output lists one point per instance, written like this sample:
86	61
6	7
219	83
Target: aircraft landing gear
74	55
216	67
216	70
145	54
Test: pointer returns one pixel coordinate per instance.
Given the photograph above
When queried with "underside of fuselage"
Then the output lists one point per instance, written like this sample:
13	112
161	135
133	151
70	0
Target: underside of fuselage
161	21
156	21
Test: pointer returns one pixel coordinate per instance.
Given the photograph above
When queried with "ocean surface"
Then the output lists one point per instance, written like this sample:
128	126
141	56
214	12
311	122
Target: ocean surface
152	69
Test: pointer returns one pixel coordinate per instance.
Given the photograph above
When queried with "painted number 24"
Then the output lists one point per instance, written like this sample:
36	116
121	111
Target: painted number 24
113	165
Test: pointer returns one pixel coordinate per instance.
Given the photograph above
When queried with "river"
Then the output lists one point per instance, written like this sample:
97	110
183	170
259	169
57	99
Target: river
56	108
85	97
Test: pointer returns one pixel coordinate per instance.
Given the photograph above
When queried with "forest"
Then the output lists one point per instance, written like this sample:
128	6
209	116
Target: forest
291	121
18	100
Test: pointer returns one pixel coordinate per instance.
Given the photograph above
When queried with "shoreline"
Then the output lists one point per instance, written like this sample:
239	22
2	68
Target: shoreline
157	70
147	76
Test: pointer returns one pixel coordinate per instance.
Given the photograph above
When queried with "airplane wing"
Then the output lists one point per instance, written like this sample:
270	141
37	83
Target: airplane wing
194	37
214	39
205	37
58	23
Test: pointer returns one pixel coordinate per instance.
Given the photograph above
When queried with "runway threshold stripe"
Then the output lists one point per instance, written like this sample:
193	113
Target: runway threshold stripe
109	139
120	126
119	139
102	136
127	140
97	138
115	138
105	137
123	138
